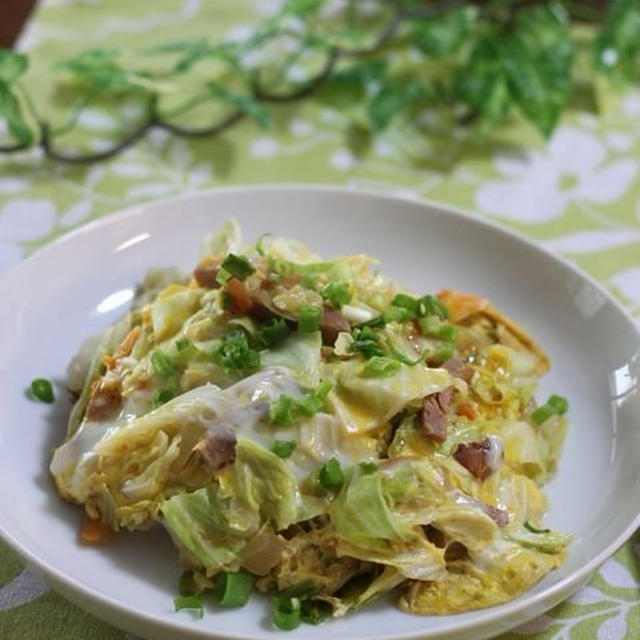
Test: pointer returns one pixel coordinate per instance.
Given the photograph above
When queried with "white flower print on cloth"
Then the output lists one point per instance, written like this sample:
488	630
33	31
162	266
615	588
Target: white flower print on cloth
539	185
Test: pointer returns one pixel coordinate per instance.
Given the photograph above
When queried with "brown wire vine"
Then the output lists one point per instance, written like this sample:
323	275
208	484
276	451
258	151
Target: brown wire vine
496	16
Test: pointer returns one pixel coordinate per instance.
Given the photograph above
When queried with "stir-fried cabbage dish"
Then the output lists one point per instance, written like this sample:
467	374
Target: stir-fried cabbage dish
310	429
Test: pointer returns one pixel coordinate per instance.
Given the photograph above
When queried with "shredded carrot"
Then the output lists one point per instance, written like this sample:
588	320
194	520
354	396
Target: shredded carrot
467	411
462	305
125	347
94	532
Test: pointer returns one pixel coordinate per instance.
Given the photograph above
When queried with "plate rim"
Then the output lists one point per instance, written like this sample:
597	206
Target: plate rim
481	616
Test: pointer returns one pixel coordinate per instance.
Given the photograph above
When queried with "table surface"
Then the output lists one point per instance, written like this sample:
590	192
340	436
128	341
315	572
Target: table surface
579	195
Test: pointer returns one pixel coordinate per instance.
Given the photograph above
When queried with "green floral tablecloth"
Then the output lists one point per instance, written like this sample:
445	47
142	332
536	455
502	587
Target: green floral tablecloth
579	195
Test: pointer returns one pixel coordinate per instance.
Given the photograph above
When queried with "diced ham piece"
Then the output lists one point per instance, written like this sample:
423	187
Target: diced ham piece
218	448
332	323
206	272
458	368
475	456
240	301
499	516
432	417
263	309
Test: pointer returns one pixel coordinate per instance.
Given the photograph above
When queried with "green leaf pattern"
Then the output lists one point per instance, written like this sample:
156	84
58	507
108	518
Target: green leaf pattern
579	195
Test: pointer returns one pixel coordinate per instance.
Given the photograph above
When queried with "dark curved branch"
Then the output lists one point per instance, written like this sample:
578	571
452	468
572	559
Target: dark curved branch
14	148
99	156
212	130
383	39
305	90
430	9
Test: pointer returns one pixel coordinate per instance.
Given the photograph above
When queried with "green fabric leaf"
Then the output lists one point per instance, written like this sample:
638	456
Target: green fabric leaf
617	46
529	67
538	65
392	100
482	83
444	35
196	49
244	103
12	65
347	86
302	8
10	110
99	68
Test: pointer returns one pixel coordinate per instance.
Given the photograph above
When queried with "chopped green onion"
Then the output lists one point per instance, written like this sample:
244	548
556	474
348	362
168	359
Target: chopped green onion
309	281
331	476
286	409
407	302
368	467
193	603
430	305
367	342
542	414
315	611
555	405
238	266
260	244
161	364
442	354
315	401
404	308
42	390
235	354
183	343
282	411
273	332
286	613
380	367
559	403
185	349
396	314
337	293
222	276
161	396
448	333
530	527
309	318
434	327
375	323
284	448
232	589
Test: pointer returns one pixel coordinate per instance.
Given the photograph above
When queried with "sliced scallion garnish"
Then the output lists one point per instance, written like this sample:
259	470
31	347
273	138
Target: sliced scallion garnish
233	588
286	613
309	318
42	390
237	266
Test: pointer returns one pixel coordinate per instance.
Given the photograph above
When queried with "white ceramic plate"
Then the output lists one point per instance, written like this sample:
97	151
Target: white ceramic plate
83	282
